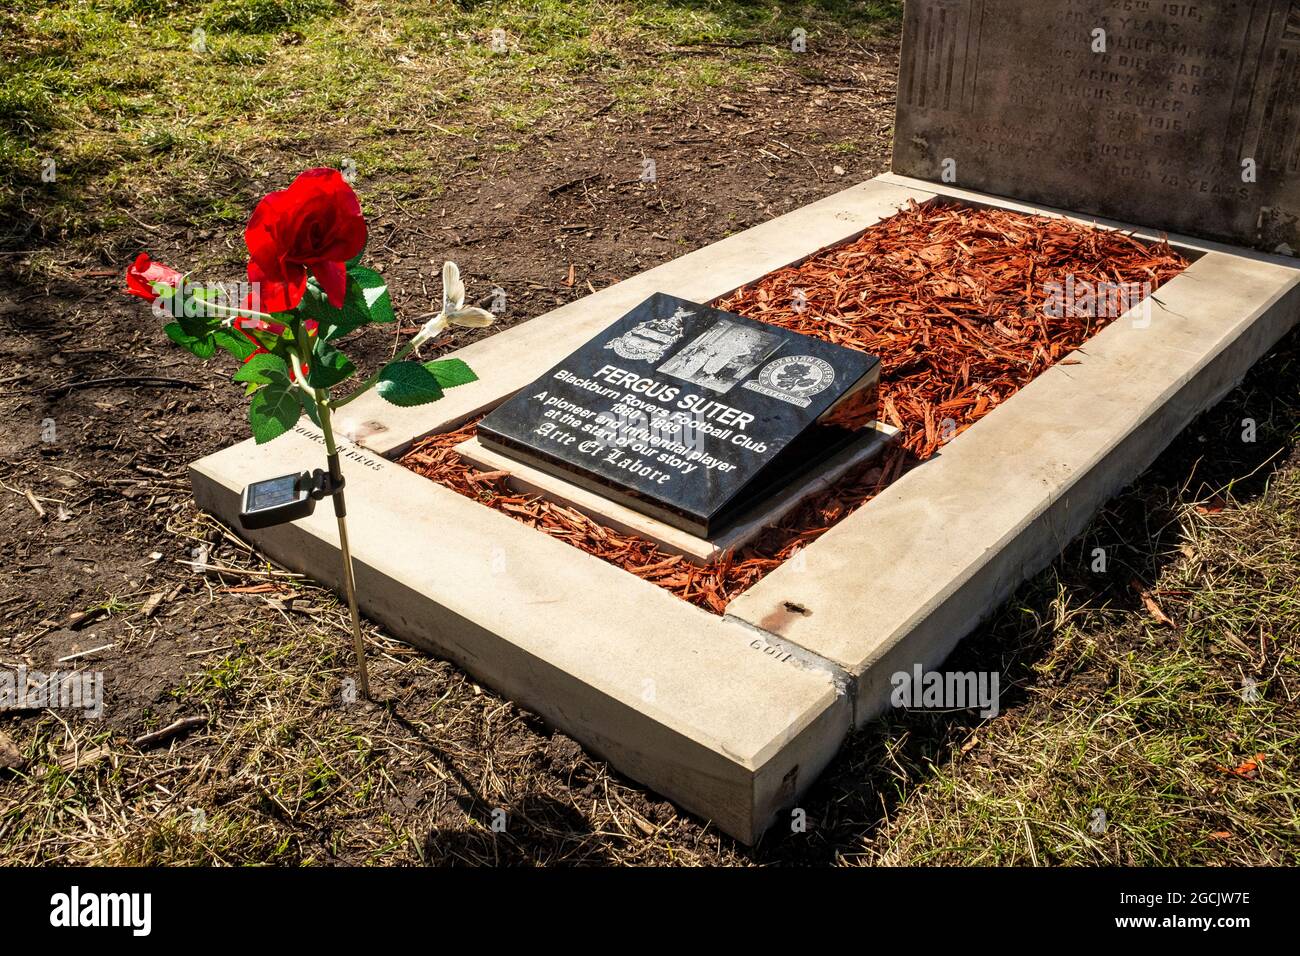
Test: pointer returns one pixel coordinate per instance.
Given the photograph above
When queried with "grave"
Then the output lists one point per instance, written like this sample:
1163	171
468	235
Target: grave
733	715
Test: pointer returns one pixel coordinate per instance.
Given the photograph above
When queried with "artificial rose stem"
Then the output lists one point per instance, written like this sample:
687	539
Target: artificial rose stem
236	313
349	582
323	412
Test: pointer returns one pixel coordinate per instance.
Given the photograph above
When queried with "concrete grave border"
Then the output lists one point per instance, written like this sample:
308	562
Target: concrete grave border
733	717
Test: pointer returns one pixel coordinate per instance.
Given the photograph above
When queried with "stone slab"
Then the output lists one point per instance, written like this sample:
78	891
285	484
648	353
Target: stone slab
701	709
673	540
1019	99
943	546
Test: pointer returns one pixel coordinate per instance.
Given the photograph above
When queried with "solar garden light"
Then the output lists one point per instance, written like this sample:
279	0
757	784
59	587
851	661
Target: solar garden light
306	290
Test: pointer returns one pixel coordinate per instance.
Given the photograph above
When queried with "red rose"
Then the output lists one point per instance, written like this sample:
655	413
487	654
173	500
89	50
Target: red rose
313	226
144	272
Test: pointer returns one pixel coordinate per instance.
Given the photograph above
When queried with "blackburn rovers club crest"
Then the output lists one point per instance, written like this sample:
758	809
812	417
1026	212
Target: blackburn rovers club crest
648	341
794	379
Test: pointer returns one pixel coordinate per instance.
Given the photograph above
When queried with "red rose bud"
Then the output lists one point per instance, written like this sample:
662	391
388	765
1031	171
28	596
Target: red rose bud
142	274
315	226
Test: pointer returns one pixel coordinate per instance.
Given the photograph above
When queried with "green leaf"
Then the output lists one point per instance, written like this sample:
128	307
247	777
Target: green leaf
264	369
198	328
356	260
407	384
202	346
331	329
333	323
189	307
272	412
371	289
451	372
282	344
328	366
366	300
234	343
189	315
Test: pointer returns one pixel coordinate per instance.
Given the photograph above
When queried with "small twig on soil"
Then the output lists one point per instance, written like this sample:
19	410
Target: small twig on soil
141	380
125	380
35	504
87	653
184	725
238	572
150	606
210	650
82	619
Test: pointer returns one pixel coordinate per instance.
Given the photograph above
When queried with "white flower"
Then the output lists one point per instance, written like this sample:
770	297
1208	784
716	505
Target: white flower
454	311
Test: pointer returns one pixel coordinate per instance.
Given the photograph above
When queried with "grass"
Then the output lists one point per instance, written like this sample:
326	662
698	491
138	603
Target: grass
1124	747
171	111
1125	741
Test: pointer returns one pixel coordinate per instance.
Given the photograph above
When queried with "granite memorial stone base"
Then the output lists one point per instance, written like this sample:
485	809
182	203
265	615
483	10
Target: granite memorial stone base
671	539
734	716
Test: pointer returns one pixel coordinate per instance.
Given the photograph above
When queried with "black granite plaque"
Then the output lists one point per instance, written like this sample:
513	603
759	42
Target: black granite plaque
1183	116
687	413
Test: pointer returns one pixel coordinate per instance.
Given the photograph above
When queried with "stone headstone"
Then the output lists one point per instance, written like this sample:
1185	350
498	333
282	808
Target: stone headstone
1183	116
687	413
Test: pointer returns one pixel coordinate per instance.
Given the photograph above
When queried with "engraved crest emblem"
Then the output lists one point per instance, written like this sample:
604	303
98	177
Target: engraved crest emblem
794	379
648	341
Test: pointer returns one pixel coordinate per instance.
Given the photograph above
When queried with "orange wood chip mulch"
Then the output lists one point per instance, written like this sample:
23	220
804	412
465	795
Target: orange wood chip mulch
952	300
